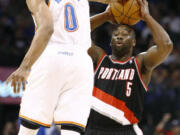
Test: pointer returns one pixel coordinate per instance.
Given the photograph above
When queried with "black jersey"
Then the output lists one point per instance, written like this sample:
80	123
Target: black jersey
118	94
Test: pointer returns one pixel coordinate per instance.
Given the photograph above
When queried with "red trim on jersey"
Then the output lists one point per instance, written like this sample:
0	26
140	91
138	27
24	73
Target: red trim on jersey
121	62
117	103
99	62
140	75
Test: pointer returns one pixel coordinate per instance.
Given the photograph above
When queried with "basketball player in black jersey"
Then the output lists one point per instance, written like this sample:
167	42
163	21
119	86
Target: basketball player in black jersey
121	79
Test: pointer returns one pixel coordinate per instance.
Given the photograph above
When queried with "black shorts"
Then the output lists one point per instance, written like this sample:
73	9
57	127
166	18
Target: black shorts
124	130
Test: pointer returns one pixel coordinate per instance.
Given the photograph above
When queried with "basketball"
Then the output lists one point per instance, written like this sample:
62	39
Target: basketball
126	12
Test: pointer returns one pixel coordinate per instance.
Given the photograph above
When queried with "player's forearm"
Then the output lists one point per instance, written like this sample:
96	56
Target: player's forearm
100	19
160	36
38	45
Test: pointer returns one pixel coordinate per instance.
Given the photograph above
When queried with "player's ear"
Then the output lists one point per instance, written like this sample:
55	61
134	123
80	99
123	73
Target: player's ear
134	42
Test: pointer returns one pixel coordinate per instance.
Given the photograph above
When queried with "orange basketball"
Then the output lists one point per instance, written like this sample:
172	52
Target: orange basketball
126	11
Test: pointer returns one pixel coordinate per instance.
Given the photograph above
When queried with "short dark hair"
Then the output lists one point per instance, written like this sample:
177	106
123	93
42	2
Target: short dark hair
129	29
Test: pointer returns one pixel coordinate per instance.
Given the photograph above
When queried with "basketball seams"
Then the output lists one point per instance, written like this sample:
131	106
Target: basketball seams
114	5
125	18
123	6
128	16
128	10
133	14
132	18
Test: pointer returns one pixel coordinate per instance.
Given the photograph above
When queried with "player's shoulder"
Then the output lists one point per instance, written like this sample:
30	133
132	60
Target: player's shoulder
140	58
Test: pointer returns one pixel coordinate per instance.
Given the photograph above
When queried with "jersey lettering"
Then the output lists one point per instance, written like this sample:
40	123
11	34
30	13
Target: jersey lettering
128	88
114	74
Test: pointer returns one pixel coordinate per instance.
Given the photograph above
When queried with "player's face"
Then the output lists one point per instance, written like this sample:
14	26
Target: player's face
122	39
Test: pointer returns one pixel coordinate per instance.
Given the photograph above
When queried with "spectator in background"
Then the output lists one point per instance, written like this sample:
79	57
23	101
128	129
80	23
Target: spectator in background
8	119
167	127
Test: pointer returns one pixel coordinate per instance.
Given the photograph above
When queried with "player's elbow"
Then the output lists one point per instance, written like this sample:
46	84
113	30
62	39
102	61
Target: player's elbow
165	48
168	46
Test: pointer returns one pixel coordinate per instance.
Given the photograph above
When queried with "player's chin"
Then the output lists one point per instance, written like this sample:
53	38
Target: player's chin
119	47
122	50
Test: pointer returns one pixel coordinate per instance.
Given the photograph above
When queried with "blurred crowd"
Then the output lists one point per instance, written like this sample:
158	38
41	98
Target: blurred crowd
162	102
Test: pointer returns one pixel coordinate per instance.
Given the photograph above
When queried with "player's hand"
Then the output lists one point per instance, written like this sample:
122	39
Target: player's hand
110	15
166	117
144	8
18	78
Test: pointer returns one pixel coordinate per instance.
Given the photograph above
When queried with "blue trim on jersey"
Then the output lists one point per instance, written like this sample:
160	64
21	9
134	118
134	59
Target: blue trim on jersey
74	21
58	1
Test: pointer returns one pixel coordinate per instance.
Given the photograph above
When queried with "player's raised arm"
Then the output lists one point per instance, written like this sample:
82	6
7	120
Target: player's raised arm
101	18
44	21
96	52
158	53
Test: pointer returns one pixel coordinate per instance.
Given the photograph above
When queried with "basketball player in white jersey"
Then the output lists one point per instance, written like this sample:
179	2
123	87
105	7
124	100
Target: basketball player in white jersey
59	86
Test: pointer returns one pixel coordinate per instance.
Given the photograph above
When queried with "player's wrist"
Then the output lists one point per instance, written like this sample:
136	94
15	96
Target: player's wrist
109	16
147	17
25	65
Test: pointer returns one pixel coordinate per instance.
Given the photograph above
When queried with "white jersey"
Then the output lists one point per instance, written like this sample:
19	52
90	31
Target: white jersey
71	22
61	80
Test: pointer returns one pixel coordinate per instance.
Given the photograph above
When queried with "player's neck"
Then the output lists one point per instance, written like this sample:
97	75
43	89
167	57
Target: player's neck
122	57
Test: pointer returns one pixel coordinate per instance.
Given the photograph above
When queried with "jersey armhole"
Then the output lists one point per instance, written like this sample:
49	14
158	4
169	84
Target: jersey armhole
99	62
139	74
48	2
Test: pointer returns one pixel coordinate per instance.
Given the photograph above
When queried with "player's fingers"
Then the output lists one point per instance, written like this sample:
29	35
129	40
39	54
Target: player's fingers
9	79
24	84
140	2
146	2
18	85
13	84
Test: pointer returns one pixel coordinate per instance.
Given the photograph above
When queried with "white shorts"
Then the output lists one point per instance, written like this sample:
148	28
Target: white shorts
59	88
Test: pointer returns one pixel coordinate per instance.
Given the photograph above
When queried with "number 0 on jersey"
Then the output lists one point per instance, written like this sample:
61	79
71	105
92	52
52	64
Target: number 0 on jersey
71	23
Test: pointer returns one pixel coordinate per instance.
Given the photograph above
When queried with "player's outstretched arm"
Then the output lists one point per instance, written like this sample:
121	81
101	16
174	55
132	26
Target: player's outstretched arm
44	22
158	53
101	18
96	52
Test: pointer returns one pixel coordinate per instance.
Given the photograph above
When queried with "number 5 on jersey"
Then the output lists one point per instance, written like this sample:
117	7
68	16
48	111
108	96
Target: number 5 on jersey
71	23
128	89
